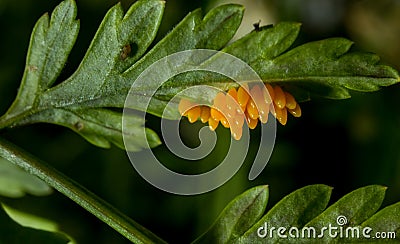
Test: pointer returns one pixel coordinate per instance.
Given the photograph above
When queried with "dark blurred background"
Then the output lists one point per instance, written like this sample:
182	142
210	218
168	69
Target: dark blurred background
345	144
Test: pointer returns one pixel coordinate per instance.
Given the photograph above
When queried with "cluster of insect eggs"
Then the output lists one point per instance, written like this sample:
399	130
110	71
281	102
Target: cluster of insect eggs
233	108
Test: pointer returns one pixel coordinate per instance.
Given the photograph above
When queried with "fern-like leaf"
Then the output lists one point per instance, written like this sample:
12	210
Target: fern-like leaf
305	209
118	55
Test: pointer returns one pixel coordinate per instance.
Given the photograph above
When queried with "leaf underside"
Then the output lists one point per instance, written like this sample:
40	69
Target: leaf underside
119	53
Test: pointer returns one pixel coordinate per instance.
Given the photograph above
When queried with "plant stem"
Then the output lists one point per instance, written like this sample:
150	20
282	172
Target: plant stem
88	200
8	120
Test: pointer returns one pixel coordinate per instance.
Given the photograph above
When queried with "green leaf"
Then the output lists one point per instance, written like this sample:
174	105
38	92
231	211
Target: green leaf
211	32
387	220
100	127
106	55
328	68
15	182
29	220
296	209
266	43
50	44
325	68
12	232
303	210
118	55
109	67
102	62
356	206
237	217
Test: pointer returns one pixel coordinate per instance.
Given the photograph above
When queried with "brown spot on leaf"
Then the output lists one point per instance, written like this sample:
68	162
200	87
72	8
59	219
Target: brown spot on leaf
126	50
32	68
79	126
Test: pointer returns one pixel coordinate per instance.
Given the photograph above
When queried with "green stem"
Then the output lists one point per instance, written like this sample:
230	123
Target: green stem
10	119
89	201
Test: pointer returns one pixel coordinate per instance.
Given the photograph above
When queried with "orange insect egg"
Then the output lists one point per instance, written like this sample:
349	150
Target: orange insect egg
280	98
231	103
236	132
283	119
252	109
243	97
281	115
229	113
239	106
295	112
272	109
262	106
212	124
193	114
205	114
215	114
268	93
264	115
238	120
184	106
290	101
224	122
252	123
236	125
220	102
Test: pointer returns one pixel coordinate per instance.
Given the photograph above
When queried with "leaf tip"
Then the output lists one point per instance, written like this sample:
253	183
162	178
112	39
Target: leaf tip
321	188
232	7
297	24
262	189
45	15
377	187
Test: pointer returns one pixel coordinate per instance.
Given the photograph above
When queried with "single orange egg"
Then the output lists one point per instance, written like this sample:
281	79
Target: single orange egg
236	132
232	104
268	93
281	115
260	103
243	97
224	122
205	114
212	124
215	114
290	101
251	123
252	109
194	114
296	112
280	98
